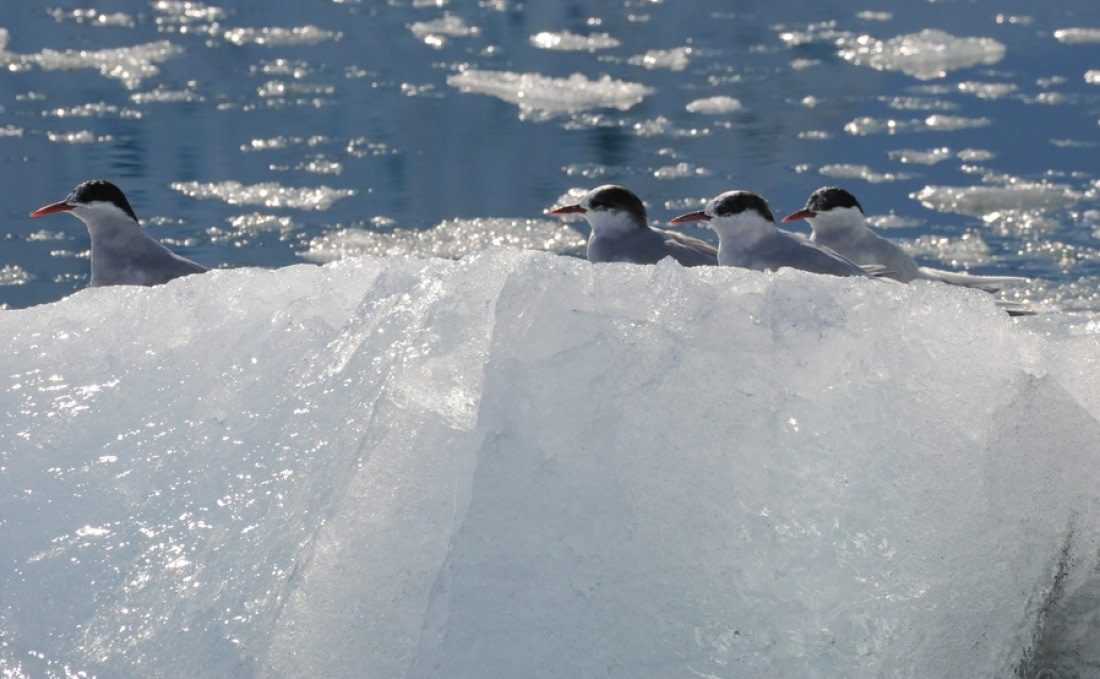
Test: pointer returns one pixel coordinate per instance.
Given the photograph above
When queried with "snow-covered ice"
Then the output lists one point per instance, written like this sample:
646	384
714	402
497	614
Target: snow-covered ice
522	464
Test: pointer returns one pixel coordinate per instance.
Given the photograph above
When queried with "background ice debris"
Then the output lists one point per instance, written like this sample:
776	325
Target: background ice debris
130	65
1077	35
714	105
934	123
451	239
436	32
543	96
571	42
980	200
929	54
280	37
523	465
268	194
675	59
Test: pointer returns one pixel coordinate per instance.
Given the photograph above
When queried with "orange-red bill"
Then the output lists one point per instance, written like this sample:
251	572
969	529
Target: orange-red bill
568	209
697	216
50	209
801	214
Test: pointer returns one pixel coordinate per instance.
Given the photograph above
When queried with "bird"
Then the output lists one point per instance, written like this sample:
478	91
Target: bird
621	231
122	253
838	222
749	238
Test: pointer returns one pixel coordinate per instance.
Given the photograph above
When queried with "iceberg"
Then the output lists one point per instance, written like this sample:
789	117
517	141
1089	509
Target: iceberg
522	464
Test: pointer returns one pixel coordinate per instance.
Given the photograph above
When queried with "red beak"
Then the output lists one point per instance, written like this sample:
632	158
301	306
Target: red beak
801	214
568	210
697	216
50	209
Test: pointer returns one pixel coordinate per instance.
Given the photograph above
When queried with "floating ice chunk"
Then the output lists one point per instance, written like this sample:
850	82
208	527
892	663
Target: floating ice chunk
679	171
975	155
925	55
283	142
852	171
13	274
1092	77
93	532
435	32
318	164
674	59
966	250
186	11
280	37
892	221
257	223
980	200
1017	19
987	90
950	123
451	239
293	68
92	17
566	41
97	110
825	31
868	125
586	170
941	123
161	95
929	157
131	65
919	104
1071	36
541	96
77	137
654	127
279	88
714	105
268	194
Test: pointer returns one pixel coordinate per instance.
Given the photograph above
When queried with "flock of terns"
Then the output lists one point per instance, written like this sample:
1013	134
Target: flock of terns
841	243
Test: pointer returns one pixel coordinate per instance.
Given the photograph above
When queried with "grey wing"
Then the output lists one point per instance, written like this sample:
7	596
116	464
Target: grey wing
867	248
801	253
690	251
163	265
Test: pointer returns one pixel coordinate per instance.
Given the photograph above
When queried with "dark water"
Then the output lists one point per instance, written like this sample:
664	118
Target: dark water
357	100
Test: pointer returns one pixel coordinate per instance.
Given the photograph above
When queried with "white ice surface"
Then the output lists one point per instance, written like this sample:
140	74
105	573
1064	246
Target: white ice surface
524	465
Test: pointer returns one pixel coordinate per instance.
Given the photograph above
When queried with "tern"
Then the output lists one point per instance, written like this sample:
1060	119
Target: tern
838	222
122	253
749	238
621	231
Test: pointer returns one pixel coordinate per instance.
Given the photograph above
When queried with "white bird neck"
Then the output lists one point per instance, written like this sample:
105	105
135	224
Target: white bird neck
612	223
742	231
838	220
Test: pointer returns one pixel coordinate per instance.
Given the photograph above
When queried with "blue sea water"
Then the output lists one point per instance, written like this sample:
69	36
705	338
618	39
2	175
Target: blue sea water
246	134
